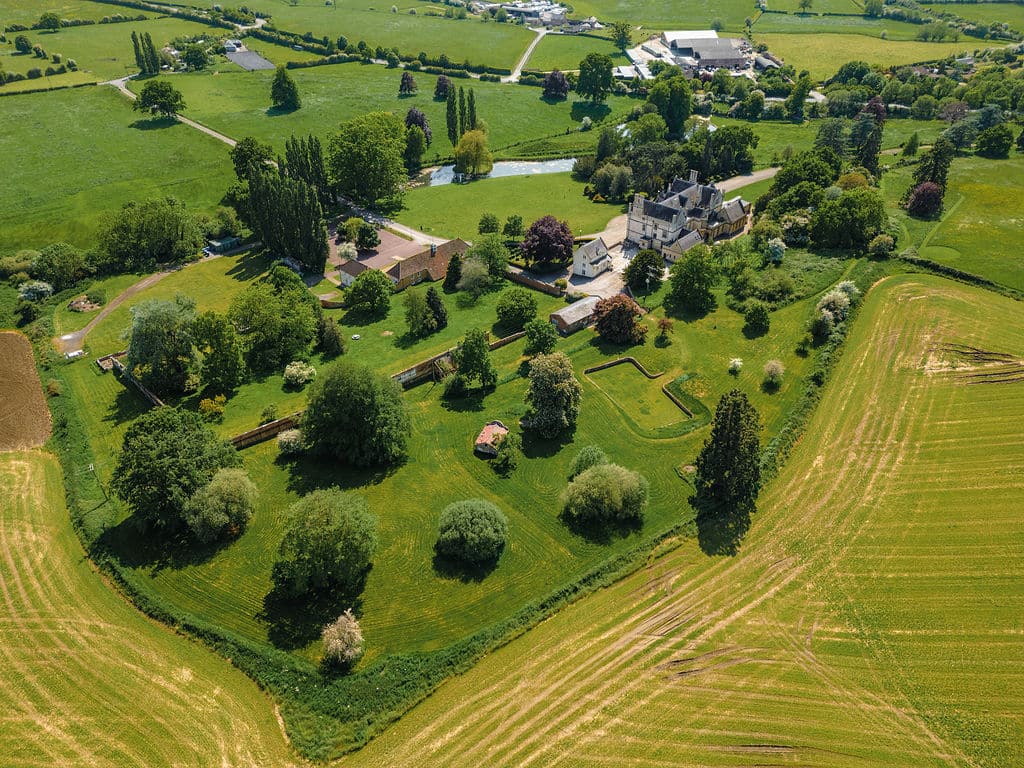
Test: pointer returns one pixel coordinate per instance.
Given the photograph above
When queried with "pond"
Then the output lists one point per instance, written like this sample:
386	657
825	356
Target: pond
446	173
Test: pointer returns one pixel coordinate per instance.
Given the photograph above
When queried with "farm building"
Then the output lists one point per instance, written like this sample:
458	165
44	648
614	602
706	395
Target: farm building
684	215
490	438
591	259
429	264
576	316
350	270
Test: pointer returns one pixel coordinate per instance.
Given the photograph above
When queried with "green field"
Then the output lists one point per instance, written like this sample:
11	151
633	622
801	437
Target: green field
83	153
21	12
87	680
639	397
666	15
105	50
565	52
238	104
986	13
823	54
454	210
979	231
872	616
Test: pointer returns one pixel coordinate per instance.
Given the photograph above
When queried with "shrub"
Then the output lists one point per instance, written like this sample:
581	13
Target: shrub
756	319
837	303
541	337
881	246
509	450
925	200
347	251
53	388
822	326
735	366
222	507
850	289
33	290
96	296
473	531
343	641
589	456
773	371
516	307
298	374
289	442
268	414
212	408
606	493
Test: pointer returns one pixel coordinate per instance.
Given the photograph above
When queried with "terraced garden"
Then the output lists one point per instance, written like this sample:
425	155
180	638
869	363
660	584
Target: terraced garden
871	616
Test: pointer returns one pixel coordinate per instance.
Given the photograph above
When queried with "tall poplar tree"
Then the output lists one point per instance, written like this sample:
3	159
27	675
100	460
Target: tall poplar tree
452	118
462	111
471	111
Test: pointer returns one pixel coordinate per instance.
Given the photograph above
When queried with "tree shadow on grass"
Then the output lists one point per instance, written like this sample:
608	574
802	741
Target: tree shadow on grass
308	473
153	123
675	311
450	568
295	622
471	402
537	447
134	547
128	404
596	112
720	531
359	316
278	111
750	332
602	532
249	265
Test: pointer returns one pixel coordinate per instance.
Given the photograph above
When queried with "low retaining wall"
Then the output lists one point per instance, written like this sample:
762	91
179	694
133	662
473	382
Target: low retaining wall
266	431
114	362
619	361
540	285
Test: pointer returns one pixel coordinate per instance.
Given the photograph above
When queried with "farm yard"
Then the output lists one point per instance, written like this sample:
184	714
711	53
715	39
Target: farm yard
855	606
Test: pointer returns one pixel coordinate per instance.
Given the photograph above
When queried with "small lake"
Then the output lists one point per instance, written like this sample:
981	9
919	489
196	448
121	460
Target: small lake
446	173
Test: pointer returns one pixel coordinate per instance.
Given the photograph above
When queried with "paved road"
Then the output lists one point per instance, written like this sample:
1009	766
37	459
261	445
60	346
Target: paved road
514	77
730	185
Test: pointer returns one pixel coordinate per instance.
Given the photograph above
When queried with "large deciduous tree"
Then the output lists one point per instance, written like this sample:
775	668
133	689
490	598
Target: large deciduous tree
250	155
692	279
366	157
142	235
472	156
160	96
605	494
595	78
645	272
516	307
548	240
556	85
356	416
222	507
284	94
371	292
553	397
277	319
415	116
161	349
671	96
286	214
222	366
617	320
472	359
166	456
328	544
472	531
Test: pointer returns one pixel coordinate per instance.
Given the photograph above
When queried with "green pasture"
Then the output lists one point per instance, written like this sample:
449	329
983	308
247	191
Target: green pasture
83	153
565	52
238	104
635	394
454	210
67	321
88	679
871	615
986	13
105	50
813	24
21	12
980	228
664	14
493	44
822	54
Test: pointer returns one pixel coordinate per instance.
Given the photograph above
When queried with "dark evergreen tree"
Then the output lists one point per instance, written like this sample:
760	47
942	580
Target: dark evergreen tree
442	88
462	111
454	274
452	117
283	92
728	468
471	111
407	86
437	308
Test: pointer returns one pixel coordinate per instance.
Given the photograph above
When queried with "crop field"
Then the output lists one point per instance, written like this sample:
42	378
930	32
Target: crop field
91	149
24	417
565	52
979	231
872	616
86	679
238	104
986	13
823	54
454	210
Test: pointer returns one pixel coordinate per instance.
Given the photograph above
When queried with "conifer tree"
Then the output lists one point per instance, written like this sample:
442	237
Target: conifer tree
462	111
437	308
728	467
140	62
452	118
471	111
454	274
283	92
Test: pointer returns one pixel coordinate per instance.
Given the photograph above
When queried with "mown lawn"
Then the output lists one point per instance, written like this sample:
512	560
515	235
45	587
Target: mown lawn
83	153
454	210
238	104
76	651
979	231
20	12
824	52
986	13
871	615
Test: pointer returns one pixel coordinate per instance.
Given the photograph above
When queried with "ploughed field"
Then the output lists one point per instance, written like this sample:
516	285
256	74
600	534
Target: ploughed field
872	615
24	417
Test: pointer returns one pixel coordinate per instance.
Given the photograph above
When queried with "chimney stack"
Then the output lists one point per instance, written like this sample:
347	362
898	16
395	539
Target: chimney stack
693	175
433	250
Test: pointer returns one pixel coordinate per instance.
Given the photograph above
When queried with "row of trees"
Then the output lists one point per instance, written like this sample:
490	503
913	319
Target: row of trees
146	57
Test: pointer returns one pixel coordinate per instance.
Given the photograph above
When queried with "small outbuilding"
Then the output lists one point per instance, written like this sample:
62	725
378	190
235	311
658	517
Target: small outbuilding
591	259
490	438
576	316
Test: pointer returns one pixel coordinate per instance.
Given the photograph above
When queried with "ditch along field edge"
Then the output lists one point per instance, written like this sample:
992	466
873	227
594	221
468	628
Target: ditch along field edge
767	655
